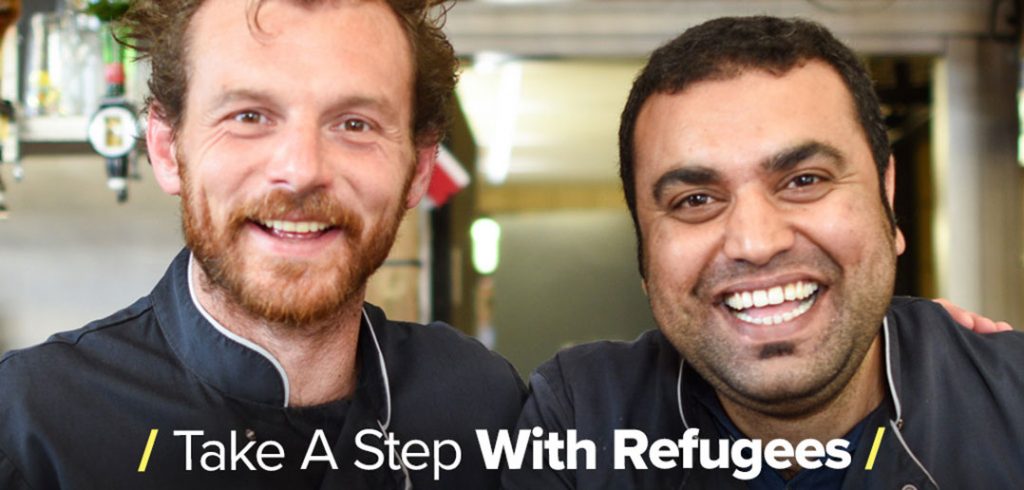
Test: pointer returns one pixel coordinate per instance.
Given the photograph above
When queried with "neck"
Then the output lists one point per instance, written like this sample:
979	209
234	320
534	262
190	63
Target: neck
319	359
832	419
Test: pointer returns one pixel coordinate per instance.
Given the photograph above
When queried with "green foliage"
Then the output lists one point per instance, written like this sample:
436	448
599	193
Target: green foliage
108	10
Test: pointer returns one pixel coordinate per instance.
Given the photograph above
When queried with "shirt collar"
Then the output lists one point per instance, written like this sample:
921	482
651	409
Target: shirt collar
242	369
890	345
242	341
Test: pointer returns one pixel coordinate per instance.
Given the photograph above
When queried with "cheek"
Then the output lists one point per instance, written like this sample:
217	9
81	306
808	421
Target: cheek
216	193
675	254
378	178
222	167
366	191
852	238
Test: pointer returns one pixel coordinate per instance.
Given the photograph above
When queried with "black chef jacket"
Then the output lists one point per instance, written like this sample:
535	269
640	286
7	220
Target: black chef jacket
953	415
79	410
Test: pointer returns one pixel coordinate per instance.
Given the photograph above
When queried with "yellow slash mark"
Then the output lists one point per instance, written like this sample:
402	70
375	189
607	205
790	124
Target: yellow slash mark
874	448
152	440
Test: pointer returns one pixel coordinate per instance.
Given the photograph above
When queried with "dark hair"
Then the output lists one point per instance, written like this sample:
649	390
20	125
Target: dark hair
724	48
158	30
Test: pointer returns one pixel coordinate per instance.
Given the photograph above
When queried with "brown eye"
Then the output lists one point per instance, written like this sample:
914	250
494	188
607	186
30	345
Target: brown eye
694	201
697	207
249	117
805	180
356	125
806	187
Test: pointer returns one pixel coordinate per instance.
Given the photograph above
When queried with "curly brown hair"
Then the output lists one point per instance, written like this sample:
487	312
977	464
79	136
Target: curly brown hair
158	30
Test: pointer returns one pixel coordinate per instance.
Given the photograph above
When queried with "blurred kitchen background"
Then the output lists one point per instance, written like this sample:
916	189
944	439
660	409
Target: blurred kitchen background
537	251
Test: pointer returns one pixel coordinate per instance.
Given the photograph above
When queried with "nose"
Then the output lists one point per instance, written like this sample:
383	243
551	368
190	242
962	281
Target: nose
299	162
756	229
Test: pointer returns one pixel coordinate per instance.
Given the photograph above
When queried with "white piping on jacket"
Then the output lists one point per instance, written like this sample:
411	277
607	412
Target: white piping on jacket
892	393
679	394
383	372
888	369
903	443
895	424
237	338
280	369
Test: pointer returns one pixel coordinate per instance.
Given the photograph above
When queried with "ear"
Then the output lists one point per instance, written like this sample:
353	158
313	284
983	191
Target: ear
426	157
890	195
162	153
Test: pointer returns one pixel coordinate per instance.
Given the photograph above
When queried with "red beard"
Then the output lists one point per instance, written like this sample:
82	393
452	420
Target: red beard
298	292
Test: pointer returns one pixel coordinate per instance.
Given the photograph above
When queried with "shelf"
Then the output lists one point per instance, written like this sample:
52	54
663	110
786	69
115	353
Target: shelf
54	129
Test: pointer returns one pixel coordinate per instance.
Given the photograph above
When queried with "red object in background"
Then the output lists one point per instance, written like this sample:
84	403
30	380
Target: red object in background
449	178
115	74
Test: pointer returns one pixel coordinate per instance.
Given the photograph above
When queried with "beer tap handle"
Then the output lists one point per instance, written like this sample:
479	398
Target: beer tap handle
113	128
3	199
9	143
10	148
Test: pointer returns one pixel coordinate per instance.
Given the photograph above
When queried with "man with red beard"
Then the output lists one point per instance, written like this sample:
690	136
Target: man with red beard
757	169
297	134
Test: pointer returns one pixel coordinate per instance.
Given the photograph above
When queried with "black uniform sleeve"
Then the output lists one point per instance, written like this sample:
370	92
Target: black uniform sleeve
10	478
549	408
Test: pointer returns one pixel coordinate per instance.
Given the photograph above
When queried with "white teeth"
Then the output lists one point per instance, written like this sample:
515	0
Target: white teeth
760	298
790	292
776	295
773	296
295	226
776	319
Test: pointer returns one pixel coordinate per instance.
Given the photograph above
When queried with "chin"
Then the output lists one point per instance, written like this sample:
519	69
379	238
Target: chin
293	292
782	386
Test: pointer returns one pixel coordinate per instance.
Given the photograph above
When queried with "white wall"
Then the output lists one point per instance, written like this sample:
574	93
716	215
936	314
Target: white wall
565	277
70	254
978	219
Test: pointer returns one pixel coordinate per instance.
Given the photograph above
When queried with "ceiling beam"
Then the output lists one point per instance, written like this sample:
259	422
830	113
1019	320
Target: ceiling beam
634	28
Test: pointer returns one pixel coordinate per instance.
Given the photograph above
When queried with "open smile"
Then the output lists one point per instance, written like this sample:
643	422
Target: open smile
295	238
295	230
772	306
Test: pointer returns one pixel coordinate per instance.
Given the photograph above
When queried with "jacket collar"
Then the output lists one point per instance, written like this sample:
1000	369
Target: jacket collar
893	381
899	464
242	369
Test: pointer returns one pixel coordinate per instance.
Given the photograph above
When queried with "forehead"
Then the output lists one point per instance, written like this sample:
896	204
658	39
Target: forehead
743	119
363	23
318	47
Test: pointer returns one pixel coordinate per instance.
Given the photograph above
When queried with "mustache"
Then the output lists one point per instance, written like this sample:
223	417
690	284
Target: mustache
314	205
721	272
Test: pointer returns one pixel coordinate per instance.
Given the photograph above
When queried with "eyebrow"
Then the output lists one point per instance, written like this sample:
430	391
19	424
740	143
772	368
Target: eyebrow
347	101
789	158
783	161
690	174
230	96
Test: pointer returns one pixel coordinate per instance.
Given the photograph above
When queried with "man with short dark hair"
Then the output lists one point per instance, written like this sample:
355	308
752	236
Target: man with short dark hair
757	169
297	133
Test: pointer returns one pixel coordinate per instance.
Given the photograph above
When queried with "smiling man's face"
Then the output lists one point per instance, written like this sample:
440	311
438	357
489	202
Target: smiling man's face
295	157
769	259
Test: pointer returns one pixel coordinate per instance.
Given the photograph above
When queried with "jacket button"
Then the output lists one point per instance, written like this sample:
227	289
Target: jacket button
909	487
